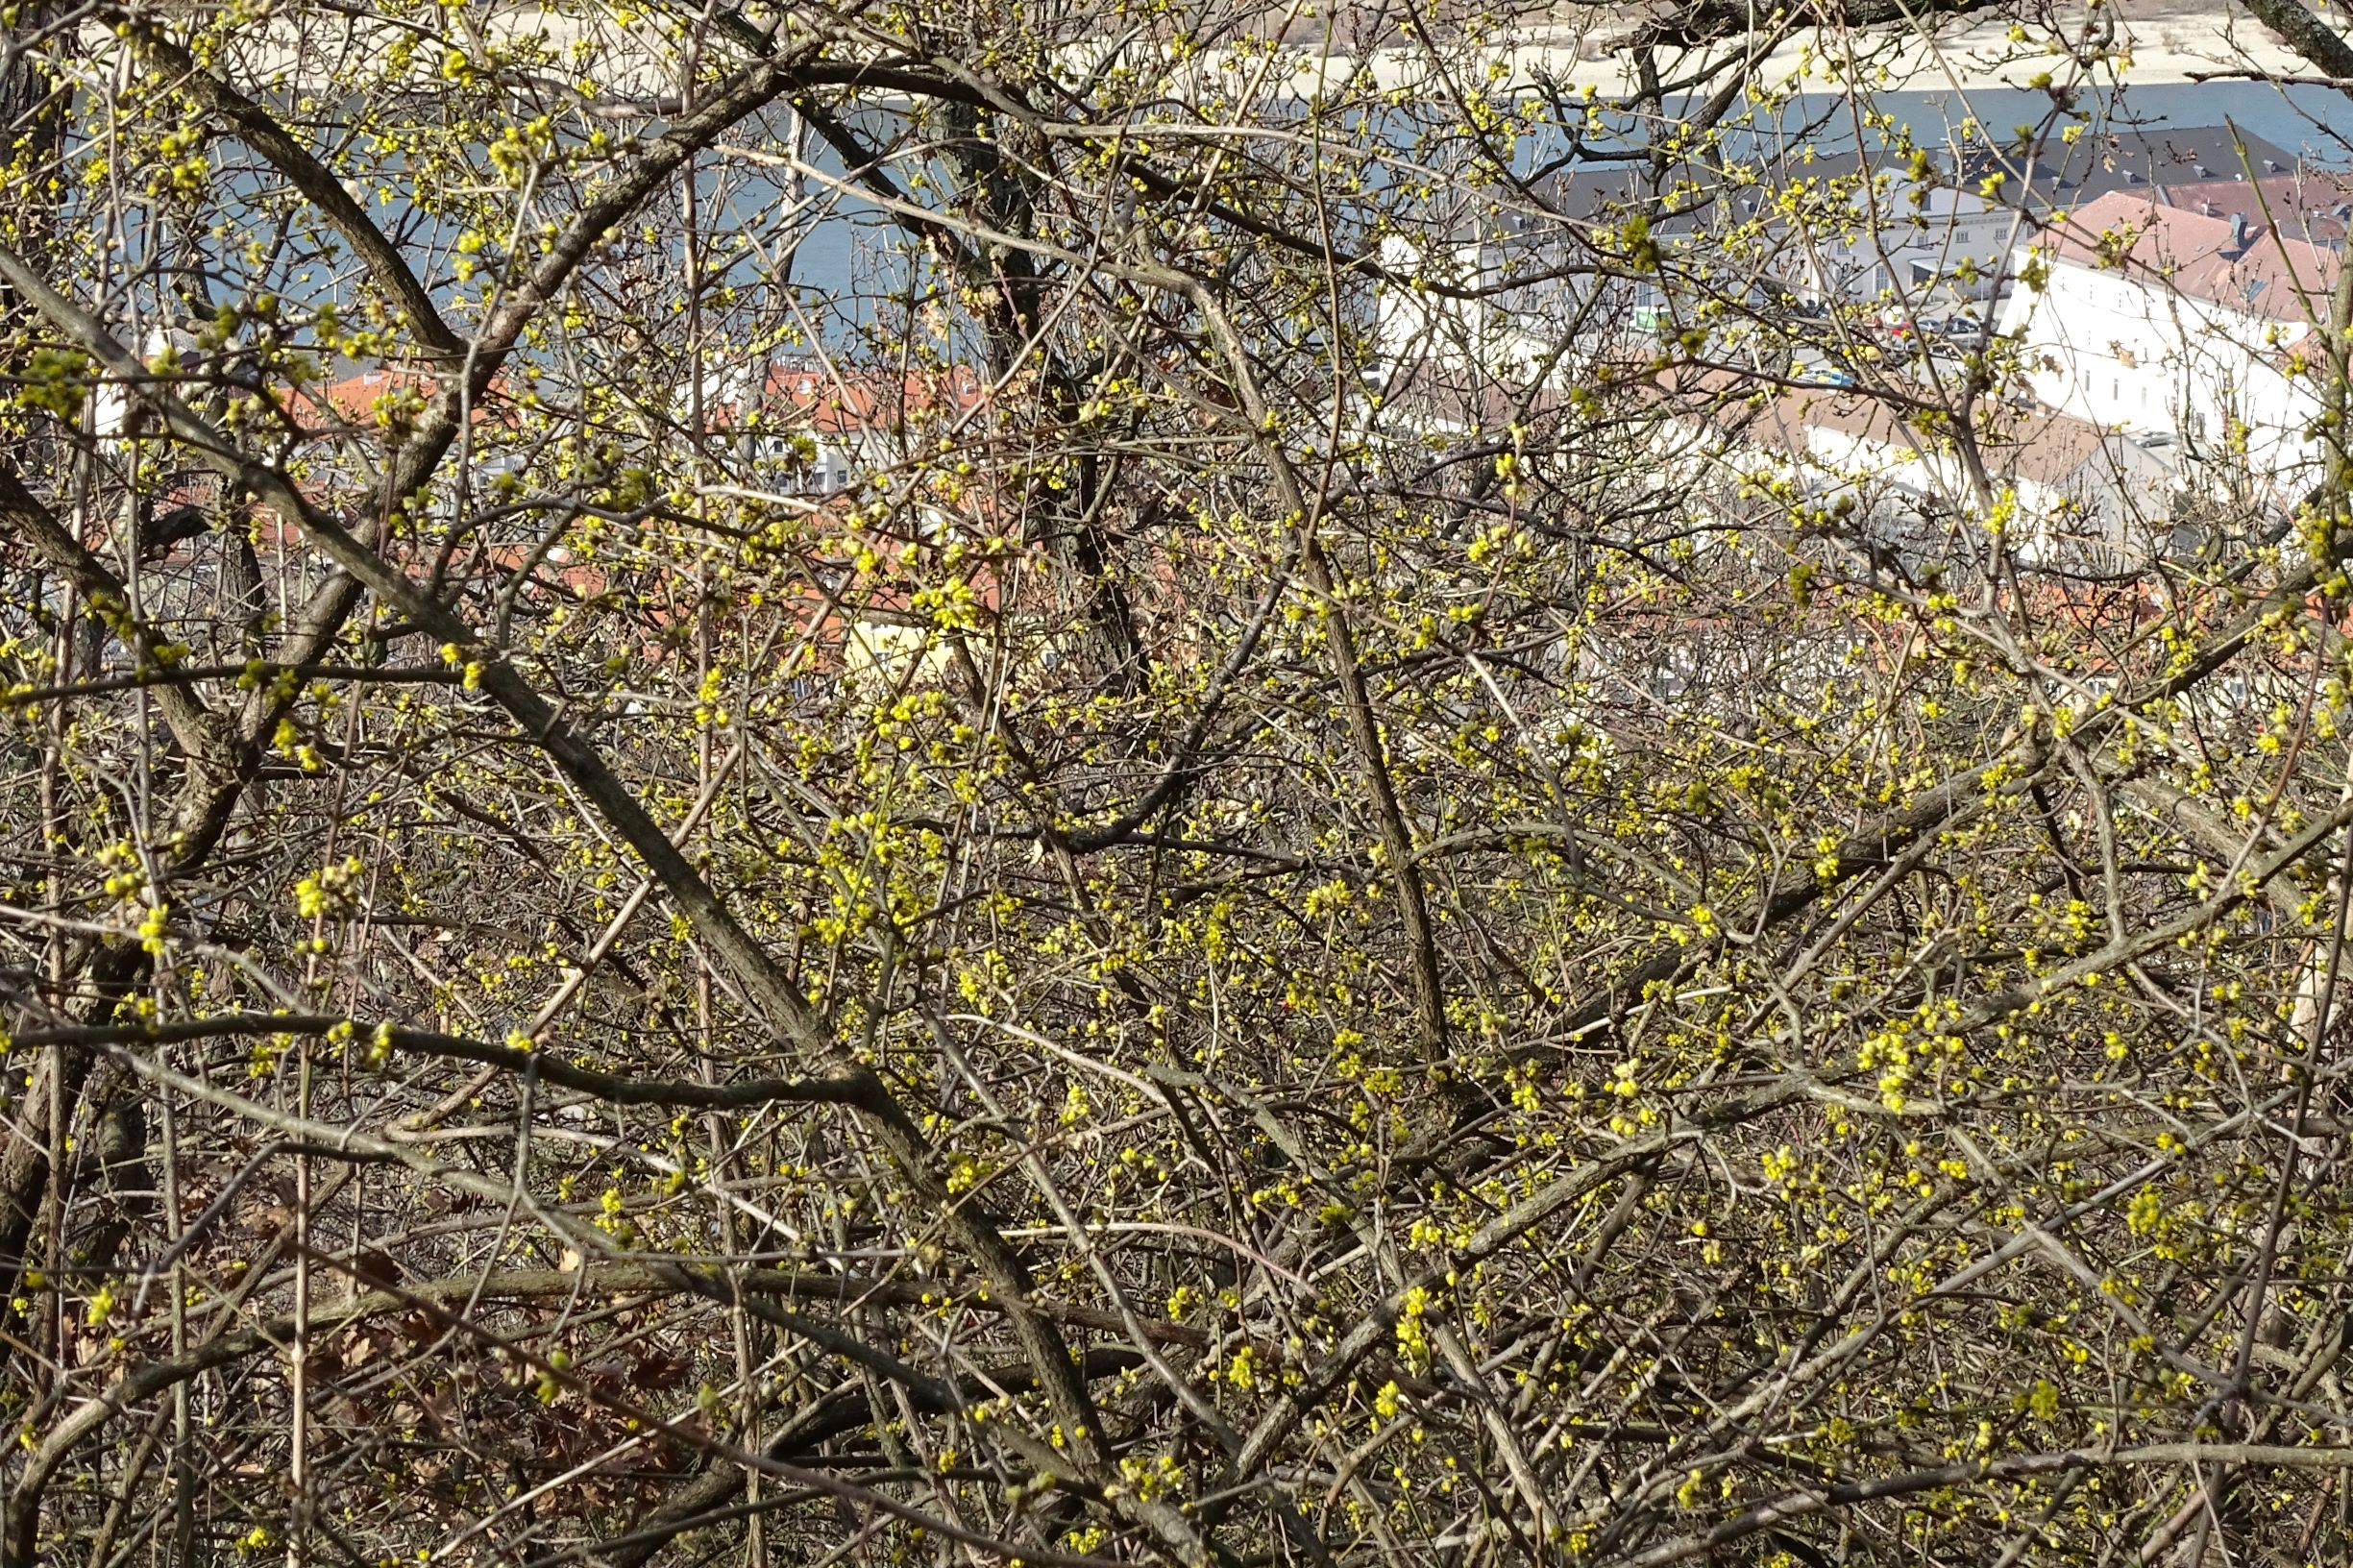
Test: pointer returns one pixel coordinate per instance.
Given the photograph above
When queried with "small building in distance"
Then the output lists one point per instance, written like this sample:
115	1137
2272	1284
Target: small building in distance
2071	495
1932	234
1531	282
2178	328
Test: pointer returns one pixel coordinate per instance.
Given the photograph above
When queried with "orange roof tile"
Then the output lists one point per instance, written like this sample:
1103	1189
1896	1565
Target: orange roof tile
2243	266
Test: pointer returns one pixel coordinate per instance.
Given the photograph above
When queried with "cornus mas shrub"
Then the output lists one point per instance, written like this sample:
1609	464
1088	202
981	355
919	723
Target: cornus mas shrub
1104	784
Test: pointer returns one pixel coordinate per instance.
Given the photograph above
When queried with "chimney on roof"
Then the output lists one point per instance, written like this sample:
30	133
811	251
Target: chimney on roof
2205	210
2270	165
2202	171
2131	179
2239	234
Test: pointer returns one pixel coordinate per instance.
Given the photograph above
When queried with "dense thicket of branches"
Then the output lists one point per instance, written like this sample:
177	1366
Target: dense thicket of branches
1128	900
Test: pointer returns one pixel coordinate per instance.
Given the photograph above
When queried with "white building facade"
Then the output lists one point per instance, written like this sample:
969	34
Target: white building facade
2177	329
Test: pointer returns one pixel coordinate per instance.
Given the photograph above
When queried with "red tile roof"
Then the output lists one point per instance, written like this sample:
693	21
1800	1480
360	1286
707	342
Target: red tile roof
2042	445
808	396
2250	269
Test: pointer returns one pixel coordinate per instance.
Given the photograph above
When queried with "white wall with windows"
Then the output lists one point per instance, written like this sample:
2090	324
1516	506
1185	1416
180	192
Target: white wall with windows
2127	352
